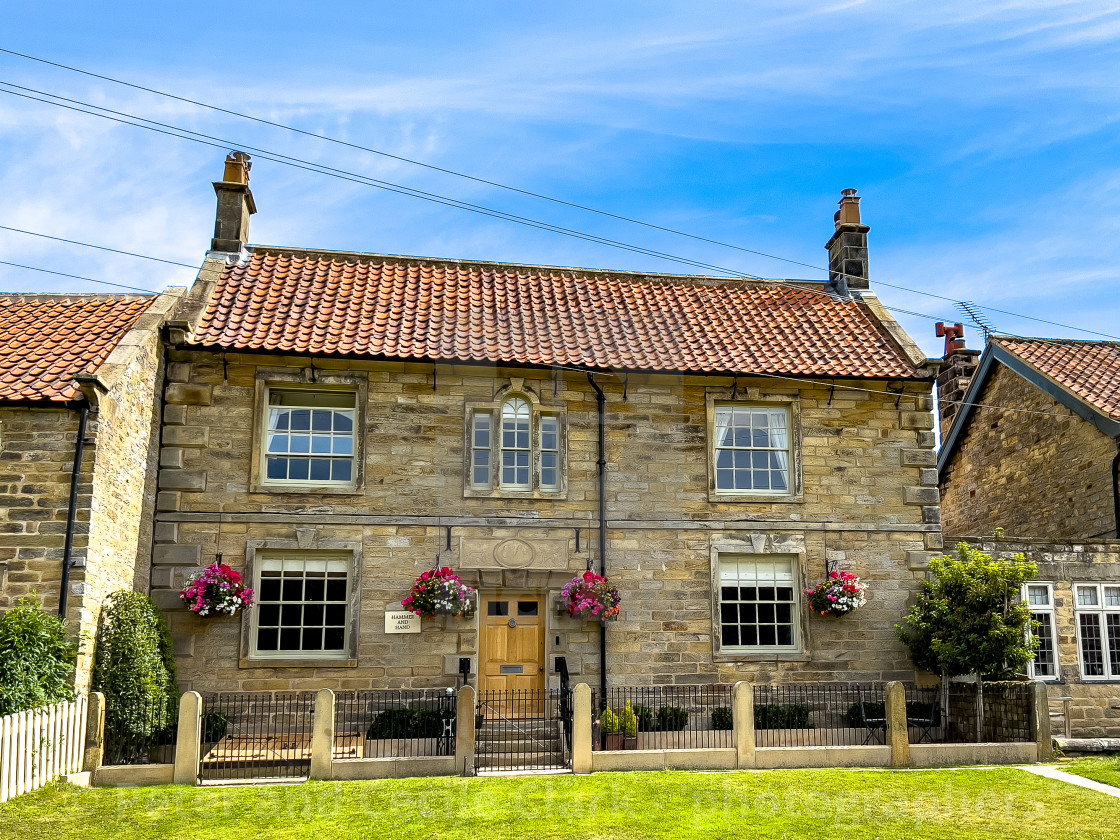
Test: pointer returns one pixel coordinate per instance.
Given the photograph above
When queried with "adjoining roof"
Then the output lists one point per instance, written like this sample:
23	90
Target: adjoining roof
46	340
1084	376
286	300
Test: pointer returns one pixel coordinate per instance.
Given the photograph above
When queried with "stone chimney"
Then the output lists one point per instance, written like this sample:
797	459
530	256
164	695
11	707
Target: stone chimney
235	205
958	366
847	249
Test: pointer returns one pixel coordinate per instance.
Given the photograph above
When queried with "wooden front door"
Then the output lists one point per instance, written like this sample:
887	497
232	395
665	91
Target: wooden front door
511	648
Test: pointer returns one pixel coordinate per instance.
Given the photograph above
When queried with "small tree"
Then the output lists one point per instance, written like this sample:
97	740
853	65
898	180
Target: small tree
36	659
134	666
968	620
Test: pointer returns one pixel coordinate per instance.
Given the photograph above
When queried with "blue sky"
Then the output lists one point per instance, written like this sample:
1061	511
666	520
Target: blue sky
983	138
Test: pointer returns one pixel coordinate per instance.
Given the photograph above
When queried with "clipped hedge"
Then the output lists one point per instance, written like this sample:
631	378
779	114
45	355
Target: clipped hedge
134	666
773	716
722	718
409	723
36	659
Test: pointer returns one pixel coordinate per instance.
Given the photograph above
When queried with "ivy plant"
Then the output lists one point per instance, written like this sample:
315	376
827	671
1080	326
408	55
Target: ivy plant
36	659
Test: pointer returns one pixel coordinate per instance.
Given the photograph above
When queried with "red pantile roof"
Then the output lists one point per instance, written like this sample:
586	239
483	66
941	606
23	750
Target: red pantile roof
1090	370
45	340
295	301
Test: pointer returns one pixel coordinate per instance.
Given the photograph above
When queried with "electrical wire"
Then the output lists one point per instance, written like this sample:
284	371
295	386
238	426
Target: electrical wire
519	190
78	277
298	163
98	247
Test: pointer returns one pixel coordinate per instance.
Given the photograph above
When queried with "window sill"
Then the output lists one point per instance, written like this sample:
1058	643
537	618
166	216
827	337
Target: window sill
323	662
763	656
528	495
306	489
759	499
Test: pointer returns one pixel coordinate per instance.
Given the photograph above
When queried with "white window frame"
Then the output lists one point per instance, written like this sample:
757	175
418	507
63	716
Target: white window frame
1100	611
328	563
790	581
475	449
1048	612
266	432
515	409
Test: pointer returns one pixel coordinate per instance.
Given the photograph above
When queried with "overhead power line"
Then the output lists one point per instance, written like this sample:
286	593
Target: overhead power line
98	247
519	190
79	277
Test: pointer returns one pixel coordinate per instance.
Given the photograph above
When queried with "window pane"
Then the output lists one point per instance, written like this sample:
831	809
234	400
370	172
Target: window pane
334	638
1038	596
1044	662
1087	596
344	421
765	615
301	420
320	470
290	638
336	590
1112	624
277	468
548	477
1112	596
342	471
1092	653
497	608
267	639
313	638
527	607
268	615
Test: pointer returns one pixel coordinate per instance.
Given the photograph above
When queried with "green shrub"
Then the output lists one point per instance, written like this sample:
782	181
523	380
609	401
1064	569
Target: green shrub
647	719
214	727
672	718
773	716
36	659
610	724
409	723
628	722
722	718
135	669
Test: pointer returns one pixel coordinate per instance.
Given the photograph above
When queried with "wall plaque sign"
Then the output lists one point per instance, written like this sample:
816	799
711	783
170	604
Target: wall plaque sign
398	621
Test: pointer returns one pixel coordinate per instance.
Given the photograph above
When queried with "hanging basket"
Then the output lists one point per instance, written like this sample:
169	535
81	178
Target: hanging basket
837	595
440	592
591	596
218	590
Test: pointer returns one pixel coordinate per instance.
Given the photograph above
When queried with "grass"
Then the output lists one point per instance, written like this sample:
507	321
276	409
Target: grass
999	803
1104	769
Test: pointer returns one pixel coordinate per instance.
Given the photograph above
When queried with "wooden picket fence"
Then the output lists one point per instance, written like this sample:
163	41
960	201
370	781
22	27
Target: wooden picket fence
40	745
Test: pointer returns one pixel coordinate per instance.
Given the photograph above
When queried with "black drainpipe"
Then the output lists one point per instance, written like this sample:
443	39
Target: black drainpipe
1116	490
601	399
72	513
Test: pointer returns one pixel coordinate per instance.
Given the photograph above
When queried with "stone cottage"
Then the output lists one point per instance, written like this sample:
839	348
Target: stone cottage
1032	446
78	438
335	424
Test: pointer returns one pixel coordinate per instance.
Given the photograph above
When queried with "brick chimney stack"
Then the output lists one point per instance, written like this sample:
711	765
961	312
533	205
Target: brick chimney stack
958	366
847	249
235	205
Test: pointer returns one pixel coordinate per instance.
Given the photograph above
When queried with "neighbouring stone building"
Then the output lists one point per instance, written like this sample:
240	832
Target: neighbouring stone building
334	424
68	363
1034	450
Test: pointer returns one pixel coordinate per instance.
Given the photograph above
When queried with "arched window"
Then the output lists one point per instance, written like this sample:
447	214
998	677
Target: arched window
516	444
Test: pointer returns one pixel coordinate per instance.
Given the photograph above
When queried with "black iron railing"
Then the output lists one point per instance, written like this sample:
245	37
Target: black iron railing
256	735
672	717
819	714
1007	708
141	729
394	723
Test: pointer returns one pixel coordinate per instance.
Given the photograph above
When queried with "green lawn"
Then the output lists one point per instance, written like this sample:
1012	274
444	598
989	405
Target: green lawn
1103	769
1002	803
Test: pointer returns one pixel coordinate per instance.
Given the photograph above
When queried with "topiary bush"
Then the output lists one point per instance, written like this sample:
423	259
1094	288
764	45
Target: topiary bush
647	718
672	718
134	667
36	659
722	718
407	723
773	716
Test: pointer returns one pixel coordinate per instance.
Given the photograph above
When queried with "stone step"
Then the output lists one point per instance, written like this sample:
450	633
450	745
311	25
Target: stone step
513	747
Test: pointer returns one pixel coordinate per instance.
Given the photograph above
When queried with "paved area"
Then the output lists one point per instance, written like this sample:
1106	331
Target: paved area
1080	781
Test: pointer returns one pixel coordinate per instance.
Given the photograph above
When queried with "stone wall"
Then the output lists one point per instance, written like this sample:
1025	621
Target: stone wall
1095	709
116	491
1037	471
36	460
869	504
